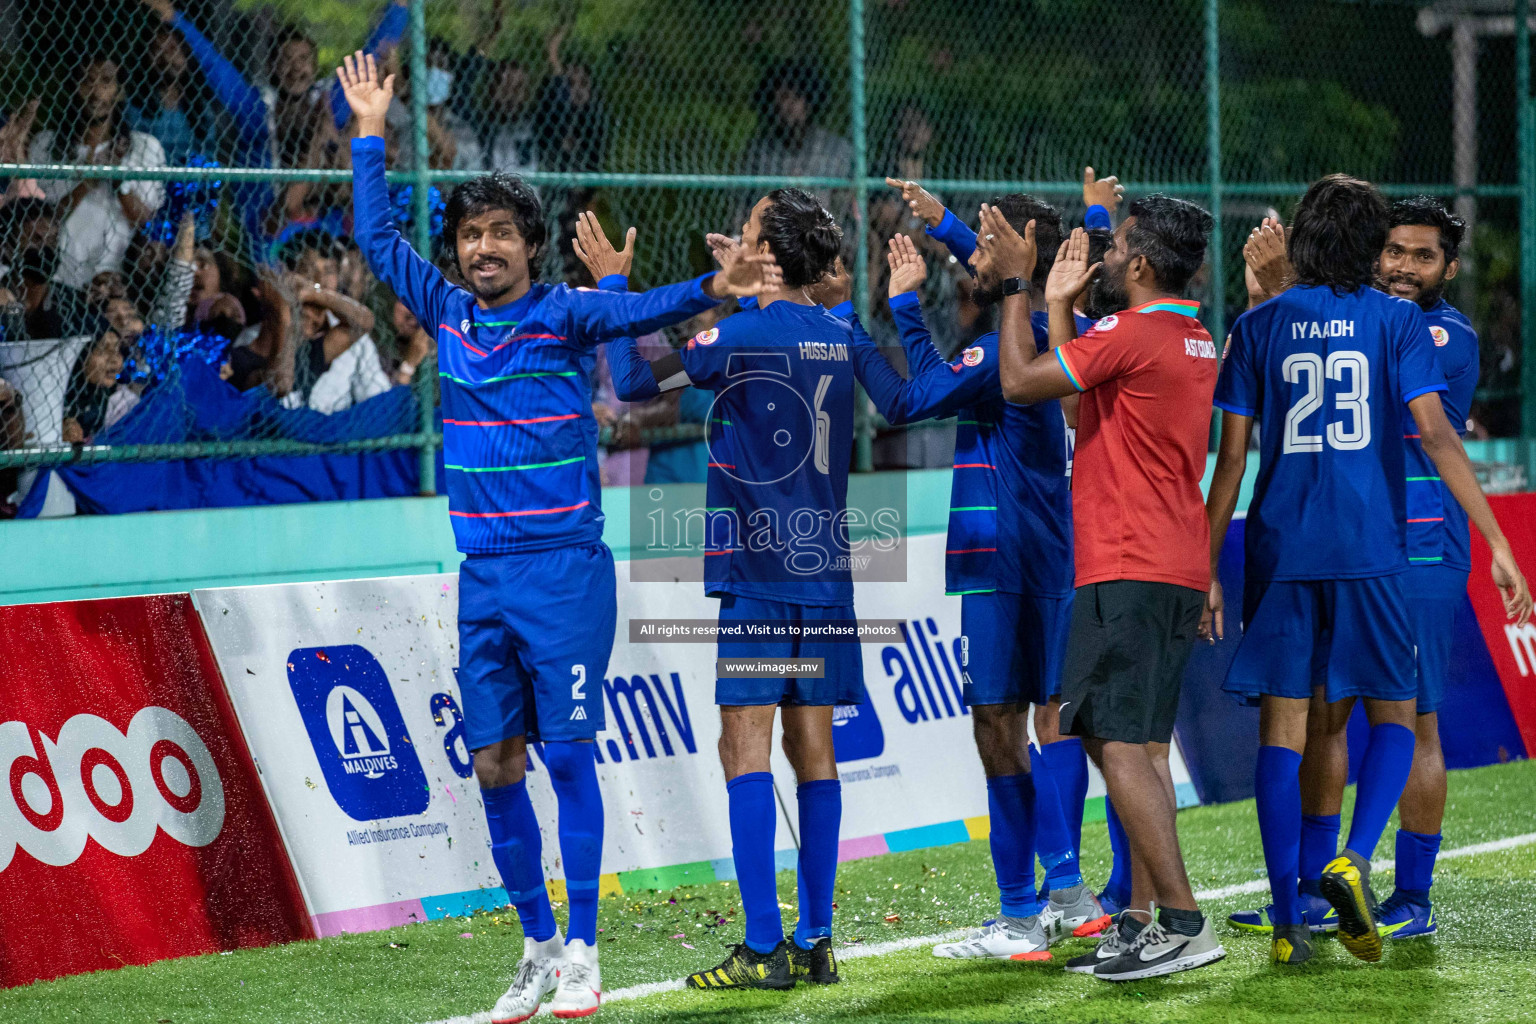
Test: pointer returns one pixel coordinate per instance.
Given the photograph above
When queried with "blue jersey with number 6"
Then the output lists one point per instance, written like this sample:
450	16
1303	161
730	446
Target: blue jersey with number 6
1327	379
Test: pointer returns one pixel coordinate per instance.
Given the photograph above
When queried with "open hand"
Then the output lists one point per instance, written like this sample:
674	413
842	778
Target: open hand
366	95
1105	192
1071	273
720	245
834	288
1512	586
742	273
1265	255
597	253
16	133
908	268
922	202
1010	254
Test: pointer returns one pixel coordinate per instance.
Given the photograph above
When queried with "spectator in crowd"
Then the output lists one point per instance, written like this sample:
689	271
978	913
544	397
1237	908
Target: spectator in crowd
97	218
14	134
35	305
94	398
335	361
789	98
451	141
413	345
163	102
572	120
13	434
507	139
262	354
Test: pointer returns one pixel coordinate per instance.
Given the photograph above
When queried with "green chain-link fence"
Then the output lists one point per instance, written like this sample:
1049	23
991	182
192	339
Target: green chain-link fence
179	283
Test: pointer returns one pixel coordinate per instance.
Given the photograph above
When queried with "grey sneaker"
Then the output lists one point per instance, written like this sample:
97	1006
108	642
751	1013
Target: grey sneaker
1158	951
1007	938
1109	947
1073	912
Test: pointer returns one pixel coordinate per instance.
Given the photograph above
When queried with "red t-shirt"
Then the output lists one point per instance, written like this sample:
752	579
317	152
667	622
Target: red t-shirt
1147	377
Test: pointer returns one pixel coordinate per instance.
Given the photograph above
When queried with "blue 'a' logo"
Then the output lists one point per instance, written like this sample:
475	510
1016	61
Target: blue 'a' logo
856	732
357	731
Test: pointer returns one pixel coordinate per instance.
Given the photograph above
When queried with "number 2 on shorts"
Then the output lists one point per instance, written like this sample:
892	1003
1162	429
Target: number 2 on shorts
580	672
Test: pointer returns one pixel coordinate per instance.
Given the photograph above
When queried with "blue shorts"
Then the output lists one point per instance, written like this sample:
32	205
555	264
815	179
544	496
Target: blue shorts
1435	594
843	662
1350	637
535	633
1012	647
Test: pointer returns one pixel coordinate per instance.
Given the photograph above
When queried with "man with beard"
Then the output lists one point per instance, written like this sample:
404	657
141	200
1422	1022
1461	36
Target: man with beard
1336	373
520	450
1420	256
1009	559
1145	378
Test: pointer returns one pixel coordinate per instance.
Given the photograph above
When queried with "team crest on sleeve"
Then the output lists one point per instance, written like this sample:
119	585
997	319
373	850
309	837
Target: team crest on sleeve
1441	335
1108	323
708	337
972	356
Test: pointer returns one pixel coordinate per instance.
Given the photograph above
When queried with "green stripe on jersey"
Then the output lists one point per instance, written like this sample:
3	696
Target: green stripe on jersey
975	508
504	469
510	376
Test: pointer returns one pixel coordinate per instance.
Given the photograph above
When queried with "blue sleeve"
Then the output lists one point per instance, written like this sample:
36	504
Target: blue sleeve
1418	372
915	339
592	317
239	97
1236	388
843	310
957	238
941	390
1097	217
420	285
390	30
633	380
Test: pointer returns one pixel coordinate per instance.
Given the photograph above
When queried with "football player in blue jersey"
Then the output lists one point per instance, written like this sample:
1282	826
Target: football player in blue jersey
520	450
1009	558
1337	373
1059	759
777	556
1421	255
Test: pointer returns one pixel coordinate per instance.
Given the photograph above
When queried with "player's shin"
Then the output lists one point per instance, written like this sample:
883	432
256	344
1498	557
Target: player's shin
515	849
1277	787
821	813
1383	774
1053	837
752	829
1068	766
1011	804
573	772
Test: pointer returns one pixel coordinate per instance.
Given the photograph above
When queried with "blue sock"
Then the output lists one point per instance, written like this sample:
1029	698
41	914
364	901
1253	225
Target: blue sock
821	813
573	771
515	847
1011	802
752	826
1277	786
1053	838
1118	888
1416	854
1383	774
1069	770
1319	845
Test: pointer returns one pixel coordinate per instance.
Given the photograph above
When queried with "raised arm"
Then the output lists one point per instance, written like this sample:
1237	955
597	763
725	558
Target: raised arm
939	391
943	225
420	285
602	316
908	272
389	31
239	97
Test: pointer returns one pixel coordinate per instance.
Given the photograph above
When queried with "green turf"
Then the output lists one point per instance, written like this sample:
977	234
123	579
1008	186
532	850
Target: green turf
1482	966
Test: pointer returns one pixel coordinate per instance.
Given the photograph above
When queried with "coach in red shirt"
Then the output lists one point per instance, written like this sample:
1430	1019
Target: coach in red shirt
1145	376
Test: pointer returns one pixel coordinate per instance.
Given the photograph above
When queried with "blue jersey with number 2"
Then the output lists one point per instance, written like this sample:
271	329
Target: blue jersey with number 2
1327	379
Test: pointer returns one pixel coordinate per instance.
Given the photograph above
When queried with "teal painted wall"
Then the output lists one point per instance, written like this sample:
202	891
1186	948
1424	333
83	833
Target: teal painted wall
165	552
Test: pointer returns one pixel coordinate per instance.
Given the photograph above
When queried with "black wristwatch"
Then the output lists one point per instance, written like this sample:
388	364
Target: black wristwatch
1014	285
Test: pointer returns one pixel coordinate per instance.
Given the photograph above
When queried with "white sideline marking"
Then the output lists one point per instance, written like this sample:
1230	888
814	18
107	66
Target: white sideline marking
652	988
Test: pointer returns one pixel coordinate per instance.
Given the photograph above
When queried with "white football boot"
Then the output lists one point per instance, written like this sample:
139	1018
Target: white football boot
581	983
537	976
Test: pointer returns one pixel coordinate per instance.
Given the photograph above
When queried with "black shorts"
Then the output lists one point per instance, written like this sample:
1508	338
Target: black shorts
1126	652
